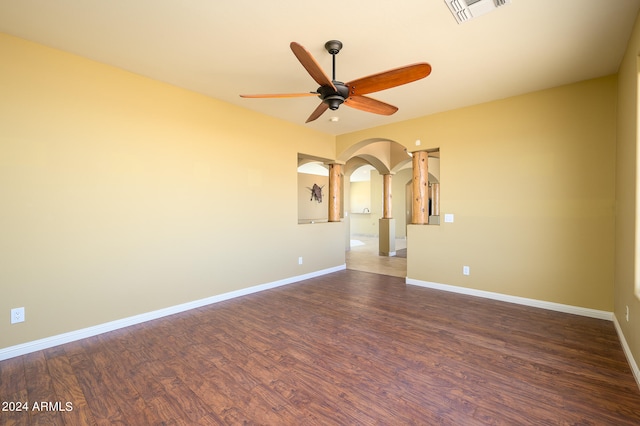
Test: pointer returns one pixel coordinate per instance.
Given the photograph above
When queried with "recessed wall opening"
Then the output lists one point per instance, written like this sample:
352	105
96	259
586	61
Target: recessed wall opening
313	181
432	193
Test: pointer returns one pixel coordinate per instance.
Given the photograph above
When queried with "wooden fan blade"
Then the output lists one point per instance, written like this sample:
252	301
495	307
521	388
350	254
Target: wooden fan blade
280	95
311	65
317	112
365	103
389	79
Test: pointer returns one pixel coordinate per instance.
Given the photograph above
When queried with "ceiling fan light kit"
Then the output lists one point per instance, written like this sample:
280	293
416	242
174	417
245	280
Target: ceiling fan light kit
465	10
334	93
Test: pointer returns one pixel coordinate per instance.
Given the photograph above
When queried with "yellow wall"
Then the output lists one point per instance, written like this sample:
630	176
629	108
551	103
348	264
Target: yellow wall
530	180
362	196
122	195
626	198
369	194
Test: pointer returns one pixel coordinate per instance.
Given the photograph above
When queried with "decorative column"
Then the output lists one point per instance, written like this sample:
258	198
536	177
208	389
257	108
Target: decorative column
435	199
386	198
335	191
386	225
420	208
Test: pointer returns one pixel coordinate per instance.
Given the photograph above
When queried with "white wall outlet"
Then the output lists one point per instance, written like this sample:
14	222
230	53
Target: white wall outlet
465	270
300	260
448	217
17	315
626	315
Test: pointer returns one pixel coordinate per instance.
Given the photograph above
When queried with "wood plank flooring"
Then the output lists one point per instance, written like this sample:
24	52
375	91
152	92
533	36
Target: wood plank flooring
349	348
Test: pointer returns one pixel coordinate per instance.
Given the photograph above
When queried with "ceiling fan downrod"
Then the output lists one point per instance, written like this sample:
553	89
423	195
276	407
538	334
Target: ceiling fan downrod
333	47
332	98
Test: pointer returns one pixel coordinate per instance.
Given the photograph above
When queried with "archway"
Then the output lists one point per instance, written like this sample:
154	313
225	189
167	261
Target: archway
366	165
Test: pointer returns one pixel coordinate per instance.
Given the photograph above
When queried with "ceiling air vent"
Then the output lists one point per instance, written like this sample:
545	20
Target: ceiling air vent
465	10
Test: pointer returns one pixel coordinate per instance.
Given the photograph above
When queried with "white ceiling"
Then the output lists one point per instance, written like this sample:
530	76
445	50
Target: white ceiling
223	48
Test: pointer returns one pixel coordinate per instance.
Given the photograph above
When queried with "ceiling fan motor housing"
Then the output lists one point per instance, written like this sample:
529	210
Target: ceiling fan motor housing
332	97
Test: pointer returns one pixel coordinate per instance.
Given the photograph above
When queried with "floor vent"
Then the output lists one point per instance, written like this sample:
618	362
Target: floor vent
465	10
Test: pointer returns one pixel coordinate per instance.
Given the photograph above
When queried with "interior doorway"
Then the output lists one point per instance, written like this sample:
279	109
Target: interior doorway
364	209
371	167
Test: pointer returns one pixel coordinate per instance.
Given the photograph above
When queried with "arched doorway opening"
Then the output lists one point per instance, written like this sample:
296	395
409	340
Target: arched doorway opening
373	163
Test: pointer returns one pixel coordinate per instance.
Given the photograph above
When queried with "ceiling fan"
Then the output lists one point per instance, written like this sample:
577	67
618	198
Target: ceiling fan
334	93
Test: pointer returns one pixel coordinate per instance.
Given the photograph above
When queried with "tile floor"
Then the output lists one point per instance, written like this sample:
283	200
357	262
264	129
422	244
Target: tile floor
364	256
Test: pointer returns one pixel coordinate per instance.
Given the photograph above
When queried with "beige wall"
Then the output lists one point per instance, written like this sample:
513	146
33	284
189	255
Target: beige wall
626	196
122	195
530	180
370	193
360	196
363	195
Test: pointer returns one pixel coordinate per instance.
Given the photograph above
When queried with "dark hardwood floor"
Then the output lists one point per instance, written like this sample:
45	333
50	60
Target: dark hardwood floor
349	348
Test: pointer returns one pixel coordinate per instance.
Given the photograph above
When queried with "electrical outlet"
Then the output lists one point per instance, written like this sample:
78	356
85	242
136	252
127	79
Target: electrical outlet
627	313
17	315
300	260
465	270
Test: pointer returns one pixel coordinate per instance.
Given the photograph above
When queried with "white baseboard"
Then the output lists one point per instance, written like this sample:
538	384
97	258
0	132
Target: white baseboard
48	342
569	309
627	351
